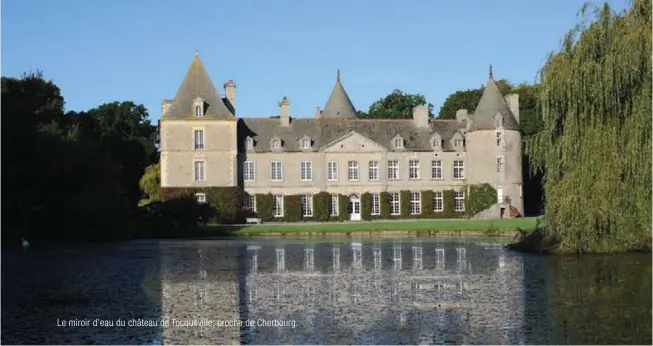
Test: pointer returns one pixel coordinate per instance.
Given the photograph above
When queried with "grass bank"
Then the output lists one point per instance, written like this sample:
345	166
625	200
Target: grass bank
504	227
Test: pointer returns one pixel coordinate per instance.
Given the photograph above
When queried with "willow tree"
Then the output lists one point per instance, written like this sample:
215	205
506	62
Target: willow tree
595	144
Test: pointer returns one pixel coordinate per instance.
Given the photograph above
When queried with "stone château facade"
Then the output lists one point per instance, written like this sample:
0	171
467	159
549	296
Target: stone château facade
204	144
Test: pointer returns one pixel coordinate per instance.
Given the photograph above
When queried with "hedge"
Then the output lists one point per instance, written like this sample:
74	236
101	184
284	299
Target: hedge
292	208
321	206
366	206
265	207
384	203
343	208
227	201
404	204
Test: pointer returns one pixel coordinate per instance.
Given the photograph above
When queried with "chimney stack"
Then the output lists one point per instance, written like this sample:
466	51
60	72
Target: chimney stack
513	103
230	93
421	116
461	115
284	111
165	105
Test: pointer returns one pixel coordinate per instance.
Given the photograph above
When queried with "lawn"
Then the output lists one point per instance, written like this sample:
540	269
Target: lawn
435	226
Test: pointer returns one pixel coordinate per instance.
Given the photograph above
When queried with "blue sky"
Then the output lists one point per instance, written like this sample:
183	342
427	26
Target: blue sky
139	50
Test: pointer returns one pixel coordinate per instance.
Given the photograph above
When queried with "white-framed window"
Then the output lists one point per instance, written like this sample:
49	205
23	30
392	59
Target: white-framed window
199	111
307	205
373	170
498	121
352	170
199	139
459	169
376	204
458	143
521	191
250	202
459	200
200	197
393	169
436	143
306	143
500	194
436	169
500	164
399	143
199	170
415	203
276	144
332	171
276	170
413	169
334	209
249	143
249	169
278	206
395	203
438	201
499	139
306	171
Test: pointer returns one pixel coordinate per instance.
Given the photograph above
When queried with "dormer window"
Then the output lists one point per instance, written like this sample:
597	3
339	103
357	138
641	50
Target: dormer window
198	106
498	121
436	142
249	143
276	144
305	143
398	143
458	143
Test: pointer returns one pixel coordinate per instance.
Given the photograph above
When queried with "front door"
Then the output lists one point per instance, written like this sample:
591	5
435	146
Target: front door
354	209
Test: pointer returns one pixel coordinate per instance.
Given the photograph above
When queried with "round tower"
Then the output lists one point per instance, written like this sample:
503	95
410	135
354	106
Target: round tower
493	142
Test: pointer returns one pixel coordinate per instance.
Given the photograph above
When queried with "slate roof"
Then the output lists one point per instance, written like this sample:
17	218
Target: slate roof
492	102
197	83
339	105
323	131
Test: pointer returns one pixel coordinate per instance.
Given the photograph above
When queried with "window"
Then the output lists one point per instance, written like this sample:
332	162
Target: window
499	121
276	171
307	205
395	204
500	139
250	202
436	143
415	203
249	169
459	200
199	112
458	143
249	144
376	204
276	144
500	194
399	143
373	170
199	170
333	205
332	171
306	171
436	169
306	143
413	169
438	201
352	170
500	164
200	197
458	169
393	170
278	206
199	139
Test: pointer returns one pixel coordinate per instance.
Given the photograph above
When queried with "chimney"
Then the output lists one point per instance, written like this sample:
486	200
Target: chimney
513	103
230	93
421	116
165	105
318	112
284	111
461	115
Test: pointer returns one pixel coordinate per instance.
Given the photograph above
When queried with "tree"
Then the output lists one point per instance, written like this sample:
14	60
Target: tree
396	105
595	142
468	99
151	182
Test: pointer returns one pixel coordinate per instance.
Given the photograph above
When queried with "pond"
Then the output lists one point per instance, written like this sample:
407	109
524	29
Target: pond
326	291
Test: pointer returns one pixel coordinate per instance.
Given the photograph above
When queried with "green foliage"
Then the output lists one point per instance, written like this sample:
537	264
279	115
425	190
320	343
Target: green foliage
292	208
343	208
463	99
396	105
366	206
151	182
479	198
385	205
595	142
174	216
265	207
321	206
427	203
227	201
404	205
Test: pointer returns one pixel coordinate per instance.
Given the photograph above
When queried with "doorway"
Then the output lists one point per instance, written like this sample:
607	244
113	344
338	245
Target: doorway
354	208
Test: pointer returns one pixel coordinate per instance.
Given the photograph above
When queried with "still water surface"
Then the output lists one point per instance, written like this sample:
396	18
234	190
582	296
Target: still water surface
332	291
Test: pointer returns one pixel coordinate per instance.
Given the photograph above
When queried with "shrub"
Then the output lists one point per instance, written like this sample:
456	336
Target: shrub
226	200
292	208
321	206
343	208
479	198
427	203
385	205
174	216
265	206
366	206
404	204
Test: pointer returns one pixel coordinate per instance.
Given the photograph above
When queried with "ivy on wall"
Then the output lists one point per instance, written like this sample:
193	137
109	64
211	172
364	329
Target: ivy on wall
427	203
343	208
292	208
404	204
384	203
481	197
265	207
321	206
366	206
227	201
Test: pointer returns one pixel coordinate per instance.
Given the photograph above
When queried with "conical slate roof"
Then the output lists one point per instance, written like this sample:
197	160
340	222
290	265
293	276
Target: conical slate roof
197	83
339	105
492	102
